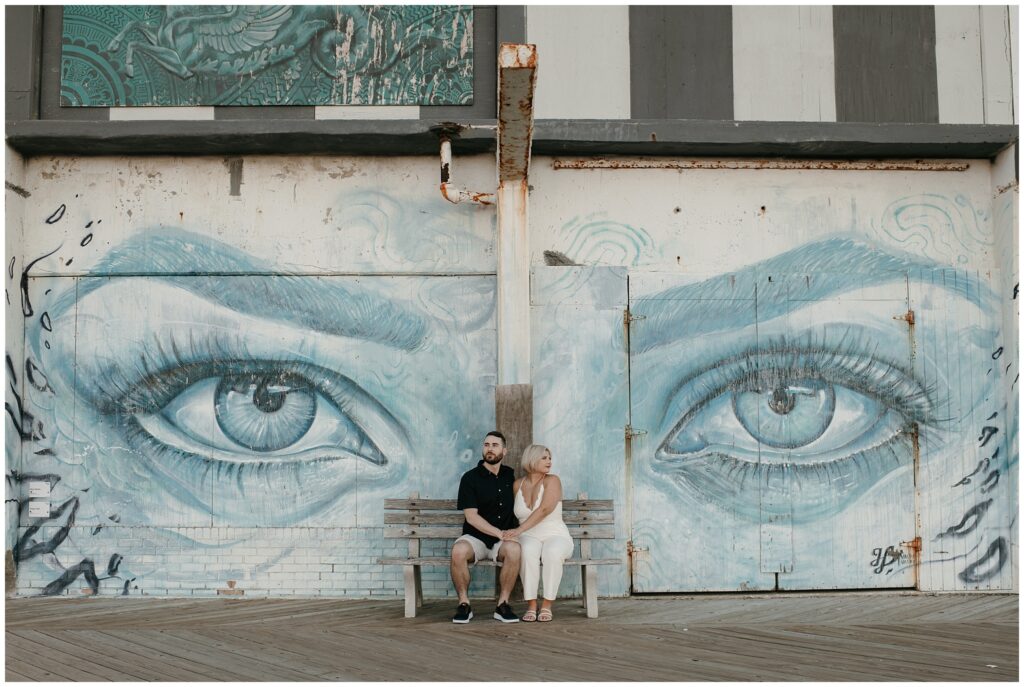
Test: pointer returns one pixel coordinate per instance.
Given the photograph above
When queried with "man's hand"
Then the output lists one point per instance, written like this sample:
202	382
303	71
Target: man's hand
509	535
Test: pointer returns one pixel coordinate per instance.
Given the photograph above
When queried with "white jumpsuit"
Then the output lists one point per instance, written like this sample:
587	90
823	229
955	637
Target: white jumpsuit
548	541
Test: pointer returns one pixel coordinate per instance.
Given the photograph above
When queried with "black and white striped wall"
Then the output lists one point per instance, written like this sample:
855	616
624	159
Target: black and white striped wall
943	64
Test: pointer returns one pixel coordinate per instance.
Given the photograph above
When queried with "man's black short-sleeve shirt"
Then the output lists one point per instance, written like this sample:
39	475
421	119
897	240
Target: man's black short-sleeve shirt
491	495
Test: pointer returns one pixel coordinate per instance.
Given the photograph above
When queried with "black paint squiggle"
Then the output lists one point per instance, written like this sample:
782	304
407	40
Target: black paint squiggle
23	552
26	304
86	567
36	377
971	574
987	432
990	482
57	215
22	419
969	523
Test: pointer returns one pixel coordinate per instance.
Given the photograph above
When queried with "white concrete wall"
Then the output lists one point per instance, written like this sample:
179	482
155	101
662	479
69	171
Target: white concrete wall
583	53
783	64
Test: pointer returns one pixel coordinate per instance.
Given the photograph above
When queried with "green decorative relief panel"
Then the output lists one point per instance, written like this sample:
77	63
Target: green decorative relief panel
175	55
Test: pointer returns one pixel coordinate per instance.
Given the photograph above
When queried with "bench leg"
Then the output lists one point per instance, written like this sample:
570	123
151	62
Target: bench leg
419	585
583	581
589	574
410	591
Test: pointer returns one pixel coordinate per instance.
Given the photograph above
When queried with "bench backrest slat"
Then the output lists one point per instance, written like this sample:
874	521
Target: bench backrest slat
454	532
450	504
456	518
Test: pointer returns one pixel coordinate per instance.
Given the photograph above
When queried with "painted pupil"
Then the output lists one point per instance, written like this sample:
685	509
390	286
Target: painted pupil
781	401
264	412
790	415
267	400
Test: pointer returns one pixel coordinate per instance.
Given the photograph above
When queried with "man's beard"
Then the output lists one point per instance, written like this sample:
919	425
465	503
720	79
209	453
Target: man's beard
492	459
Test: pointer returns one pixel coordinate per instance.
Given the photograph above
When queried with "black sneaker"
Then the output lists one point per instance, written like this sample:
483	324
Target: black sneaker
463	614
504	613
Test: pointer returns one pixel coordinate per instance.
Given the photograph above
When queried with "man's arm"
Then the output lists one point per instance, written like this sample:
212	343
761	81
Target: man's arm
474	518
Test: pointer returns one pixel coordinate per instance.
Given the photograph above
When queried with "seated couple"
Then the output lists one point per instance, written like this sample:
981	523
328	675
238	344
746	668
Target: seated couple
515	521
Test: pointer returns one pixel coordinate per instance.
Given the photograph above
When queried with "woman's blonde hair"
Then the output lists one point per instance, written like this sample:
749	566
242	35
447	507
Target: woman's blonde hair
532	454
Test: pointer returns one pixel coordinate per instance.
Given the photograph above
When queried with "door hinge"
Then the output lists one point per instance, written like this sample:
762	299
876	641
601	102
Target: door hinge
630	432
631	548
628	317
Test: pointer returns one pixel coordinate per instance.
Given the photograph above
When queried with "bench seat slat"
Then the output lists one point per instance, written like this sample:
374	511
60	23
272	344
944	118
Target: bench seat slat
450	504
456	518
454	532
439	560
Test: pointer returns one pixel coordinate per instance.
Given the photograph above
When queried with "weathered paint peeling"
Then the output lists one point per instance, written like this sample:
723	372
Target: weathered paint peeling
838	165
517	77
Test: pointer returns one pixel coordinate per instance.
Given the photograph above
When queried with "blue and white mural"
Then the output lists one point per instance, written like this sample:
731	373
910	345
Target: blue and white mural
214	382
815	389
188	401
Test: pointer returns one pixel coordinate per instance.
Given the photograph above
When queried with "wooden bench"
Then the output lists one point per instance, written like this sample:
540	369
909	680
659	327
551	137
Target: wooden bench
418	519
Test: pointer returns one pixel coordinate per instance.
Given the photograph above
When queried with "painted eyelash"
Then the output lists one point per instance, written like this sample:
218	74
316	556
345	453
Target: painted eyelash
143	441
847	361
156	358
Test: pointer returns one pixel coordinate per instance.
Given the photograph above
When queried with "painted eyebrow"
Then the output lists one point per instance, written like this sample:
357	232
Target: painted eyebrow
834	266
229	277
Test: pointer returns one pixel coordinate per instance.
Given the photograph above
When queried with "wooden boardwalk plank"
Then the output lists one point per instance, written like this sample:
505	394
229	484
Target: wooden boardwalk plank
25	653
277	645
94	662
776	637
31	672
170	668
201	658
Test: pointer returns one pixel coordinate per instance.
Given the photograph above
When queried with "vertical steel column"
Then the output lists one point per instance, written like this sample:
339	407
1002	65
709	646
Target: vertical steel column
513	396
517	74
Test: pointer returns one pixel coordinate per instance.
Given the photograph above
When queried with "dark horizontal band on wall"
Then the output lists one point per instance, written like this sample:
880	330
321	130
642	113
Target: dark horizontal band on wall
551	137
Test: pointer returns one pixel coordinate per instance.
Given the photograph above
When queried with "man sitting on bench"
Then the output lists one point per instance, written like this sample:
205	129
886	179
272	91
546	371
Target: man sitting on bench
486	500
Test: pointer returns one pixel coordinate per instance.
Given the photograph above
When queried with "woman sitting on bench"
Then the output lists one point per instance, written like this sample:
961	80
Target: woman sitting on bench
543	536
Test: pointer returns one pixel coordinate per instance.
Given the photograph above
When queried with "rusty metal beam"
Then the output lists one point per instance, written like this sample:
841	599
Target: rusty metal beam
517	78
839	165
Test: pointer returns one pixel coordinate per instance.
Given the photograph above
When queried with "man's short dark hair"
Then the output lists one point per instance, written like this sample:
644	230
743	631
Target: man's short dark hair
496	433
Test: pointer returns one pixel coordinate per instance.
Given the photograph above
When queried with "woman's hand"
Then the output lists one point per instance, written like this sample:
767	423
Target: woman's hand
510	535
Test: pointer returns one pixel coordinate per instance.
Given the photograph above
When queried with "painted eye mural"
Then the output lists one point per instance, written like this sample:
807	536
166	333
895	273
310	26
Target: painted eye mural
828	412
289	408
827	421
194	387
795	417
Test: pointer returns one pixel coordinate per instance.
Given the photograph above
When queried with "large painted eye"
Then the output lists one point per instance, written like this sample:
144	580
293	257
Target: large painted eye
263	413
829	424
803	420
